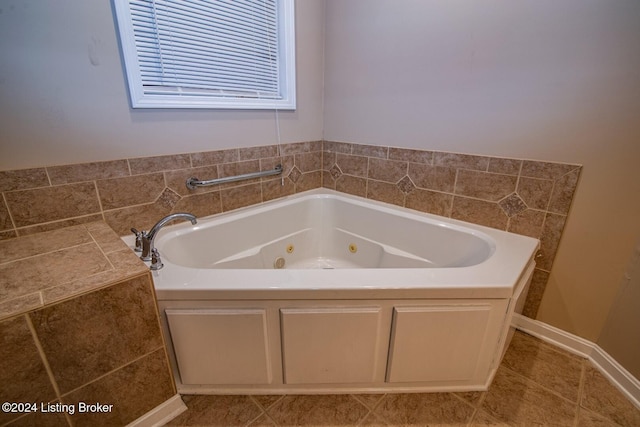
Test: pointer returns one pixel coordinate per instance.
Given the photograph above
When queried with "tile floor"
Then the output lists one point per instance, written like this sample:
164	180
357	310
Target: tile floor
537	384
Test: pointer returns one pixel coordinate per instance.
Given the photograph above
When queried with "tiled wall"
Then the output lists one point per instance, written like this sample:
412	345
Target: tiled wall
520	196
104	346
138	192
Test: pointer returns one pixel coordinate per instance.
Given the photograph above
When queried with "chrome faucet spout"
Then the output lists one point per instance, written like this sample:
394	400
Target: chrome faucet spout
149	237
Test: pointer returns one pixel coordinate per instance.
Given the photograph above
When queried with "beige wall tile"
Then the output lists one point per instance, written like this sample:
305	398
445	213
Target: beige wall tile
309	181
134	190
252	153
23	179
238	197
352	185
29	207
273	189
387	170
407	155
22	373
352	165
337	147
124	325
479	212
5	219
504	166
433	177
545	170
563	190
200	205
485	185
88	171
460	161
536	291
385	192
535	192
300	147
5	235
550	239
328	160
370	150
309	162
528	223
430	201
142	217
144	165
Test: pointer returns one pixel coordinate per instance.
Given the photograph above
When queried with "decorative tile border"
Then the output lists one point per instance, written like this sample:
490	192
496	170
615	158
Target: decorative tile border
520	196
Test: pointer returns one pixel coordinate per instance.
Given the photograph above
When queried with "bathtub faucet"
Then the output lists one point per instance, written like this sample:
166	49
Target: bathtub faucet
147	238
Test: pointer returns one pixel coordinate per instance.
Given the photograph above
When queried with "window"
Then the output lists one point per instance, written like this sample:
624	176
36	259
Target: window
225	54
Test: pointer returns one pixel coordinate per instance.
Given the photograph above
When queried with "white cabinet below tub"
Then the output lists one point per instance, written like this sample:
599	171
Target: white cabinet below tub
220	346
451	343
294	346
332	345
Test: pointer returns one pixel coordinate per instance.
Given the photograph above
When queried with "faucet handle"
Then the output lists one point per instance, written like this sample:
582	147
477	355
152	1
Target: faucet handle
138	235
156	262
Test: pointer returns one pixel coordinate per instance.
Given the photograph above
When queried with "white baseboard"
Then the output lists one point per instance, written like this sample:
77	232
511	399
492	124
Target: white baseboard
161	414
607	365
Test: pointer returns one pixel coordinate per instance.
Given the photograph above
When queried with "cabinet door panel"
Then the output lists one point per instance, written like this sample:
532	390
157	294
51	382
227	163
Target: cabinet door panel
220	346
331	345
438	343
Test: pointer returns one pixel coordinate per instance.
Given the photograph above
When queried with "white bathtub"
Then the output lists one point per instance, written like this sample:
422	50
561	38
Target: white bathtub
326	292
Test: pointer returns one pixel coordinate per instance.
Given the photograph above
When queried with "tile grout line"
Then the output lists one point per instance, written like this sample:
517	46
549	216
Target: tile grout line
546	389
45	362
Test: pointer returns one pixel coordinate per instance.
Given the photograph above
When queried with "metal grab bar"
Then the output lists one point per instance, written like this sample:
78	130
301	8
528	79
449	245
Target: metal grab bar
195	182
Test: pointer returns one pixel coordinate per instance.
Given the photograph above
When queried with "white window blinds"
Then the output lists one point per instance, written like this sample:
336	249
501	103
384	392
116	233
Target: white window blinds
209	53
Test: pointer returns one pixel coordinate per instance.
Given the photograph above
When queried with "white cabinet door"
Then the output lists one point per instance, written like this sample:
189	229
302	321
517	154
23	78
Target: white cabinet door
220	346
443	342
332	345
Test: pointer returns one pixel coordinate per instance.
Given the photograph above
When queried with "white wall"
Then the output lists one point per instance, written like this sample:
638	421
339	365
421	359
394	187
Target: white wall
538	79
63	94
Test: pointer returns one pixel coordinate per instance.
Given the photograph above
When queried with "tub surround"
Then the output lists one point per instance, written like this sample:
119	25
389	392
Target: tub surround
79	324
525	197
521	196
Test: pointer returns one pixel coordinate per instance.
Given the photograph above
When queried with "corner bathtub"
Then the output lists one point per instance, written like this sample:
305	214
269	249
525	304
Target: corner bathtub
325	292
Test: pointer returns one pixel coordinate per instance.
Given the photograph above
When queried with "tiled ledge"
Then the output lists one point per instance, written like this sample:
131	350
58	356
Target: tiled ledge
39	270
